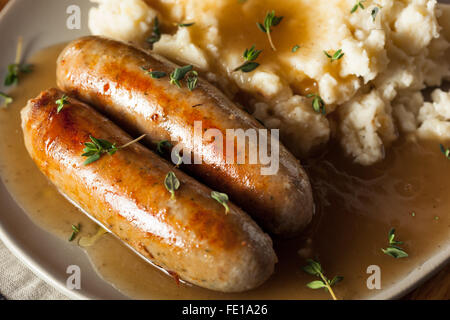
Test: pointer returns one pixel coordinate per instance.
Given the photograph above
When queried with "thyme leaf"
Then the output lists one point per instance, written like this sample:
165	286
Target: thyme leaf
156	33
154	74
75	231
336	56
222	198
394	250
445	151
172	184
317	103
61	102
359	4
315	269
192	80
183	25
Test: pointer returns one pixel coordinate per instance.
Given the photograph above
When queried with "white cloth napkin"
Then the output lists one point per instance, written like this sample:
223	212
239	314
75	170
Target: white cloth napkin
17	282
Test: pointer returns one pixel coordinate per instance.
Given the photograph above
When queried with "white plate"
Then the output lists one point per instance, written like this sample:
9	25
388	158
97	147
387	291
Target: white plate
42	23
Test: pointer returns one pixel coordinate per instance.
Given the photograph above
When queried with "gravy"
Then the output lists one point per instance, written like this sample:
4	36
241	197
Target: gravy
355	208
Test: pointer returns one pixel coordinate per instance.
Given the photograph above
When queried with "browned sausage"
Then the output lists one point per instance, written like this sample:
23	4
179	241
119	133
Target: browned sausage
190	235
108	74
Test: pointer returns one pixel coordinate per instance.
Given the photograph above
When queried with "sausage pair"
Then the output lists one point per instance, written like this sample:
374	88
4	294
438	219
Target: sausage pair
190	235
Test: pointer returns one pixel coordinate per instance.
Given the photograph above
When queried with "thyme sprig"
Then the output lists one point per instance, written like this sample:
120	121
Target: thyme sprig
271	20
394	250
359	4
176	76
250	55
314	268
179	73
156	33
98	147
17	68
336	56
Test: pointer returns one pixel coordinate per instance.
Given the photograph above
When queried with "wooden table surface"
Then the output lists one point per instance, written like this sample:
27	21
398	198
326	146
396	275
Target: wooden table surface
437	287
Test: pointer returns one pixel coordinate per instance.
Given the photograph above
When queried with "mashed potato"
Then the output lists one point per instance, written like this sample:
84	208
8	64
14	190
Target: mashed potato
128	20
371	94
434	117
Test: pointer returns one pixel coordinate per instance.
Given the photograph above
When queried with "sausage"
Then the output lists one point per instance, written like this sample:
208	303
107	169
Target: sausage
190	235
108	75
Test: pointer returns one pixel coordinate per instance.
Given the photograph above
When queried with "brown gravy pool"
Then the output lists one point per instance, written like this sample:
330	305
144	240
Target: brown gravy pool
356	207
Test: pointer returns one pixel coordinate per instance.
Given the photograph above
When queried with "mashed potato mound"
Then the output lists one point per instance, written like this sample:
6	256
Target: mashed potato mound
129	20
392	50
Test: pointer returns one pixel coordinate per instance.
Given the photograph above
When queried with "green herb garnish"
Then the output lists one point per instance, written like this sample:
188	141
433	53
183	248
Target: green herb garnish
192	80
154	74
249	55
317	103
314	268
186	24
269	21
6	100
17	68
179	73
172	183
295	48
98	147
445	151
336	56
61	102
394	250
359	4
222	198
75	231
156	33
163	145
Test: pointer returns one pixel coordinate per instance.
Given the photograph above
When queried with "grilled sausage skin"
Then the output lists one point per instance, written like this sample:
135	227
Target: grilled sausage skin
108	74
190	235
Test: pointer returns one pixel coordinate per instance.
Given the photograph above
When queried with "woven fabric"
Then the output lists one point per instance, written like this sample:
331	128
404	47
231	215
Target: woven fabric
17	282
